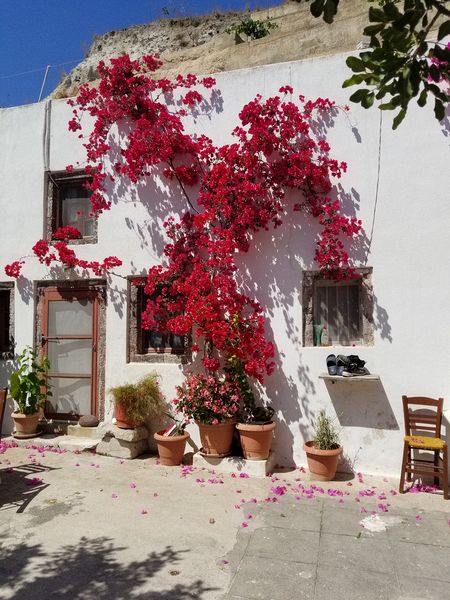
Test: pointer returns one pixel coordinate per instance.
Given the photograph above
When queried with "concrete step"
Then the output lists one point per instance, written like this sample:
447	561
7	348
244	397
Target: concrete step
63	442
235	464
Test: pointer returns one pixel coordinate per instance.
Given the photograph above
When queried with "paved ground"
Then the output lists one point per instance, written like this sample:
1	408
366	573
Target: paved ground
81	526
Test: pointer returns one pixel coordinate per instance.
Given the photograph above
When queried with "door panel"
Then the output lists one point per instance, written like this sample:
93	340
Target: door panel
69	339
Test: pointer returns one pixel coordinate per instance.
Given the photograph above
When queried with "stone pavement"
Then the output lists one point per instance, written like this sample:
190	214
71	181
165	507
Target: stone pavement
83	526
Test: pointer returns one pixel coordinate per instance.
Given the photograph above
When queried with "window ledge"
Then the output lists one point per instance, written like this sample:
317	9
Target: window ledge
171	359
333	378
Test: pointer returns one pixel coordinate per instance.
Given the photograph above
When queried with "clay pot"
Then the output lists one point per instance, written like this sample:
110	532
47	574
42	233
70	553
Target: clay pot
322	463
25	424
216	439
256	440
122	419
170	448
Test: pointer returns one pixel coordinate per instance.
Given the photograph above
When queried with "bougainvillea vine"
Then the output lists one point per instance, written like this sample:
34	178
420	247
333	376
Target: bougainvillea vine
276	162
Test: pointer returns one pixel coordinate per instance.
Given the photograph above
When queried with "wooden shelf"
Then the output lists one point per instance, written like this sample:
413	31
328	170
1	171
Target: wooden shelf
333	378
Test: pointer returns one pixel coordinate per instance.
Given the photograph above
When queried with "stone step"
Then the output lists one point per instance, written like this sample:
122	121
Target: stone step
63	442
235	464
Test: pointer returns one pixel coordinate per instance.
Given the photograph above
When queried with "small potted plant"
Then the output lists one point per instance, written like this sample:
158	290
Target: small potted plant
29	389
323	452
212	401
134	402
255	424
171	442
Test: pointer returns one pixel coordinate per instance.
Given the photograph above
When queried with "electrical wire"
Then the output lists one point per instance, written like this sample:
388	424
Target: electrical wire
41	69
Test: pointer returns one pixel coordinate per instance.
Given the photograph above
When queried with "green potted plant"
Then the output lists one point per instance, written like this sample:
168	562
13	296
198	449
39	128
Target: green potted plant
323	452
134	402
171	442
212	401
29	389
255	424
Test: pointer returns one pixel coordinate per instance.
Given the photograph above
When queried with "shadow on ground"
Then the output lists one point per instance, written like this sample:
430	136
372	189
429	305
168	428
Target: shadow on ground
92	570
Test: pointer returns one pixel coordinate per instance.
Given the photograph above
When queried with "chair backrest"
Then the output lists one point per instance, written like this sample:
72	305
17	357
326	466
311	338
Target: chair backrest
422	419
3	393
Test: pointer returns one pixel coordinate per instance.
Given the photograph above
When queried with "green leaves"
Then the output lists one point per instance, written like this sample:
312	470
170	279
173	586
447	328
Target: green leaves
400	63
28	384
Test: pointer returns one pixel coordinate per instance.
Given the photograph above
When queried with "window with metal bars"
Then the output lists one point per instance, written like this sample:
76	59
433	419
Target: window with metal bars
345	309
337	307
151	346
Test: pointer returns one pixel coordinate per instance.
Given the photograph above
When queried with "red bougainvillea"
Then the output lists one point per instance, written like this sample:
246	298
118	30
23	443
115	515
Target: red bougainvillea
276	163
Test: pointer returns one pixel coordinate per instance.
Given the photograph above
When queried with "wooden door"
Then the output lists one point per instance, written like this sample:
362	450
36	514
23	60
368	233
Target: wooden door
69	339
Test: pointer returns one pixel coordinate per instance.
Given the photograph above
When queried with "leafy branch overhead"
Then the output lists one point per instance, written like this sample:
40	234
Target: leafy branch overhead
401	62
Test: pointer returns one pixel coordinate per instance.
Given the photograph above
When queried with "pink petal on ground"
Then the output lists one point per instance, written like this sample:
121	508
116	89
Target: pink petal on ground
418	517
244	524
383	507
77	464
279	490
132	485
237	506
238	491
114	496
393	492
155	494
349	483
362	509
144	512
249	516
254	500
382	496
233	475
244	475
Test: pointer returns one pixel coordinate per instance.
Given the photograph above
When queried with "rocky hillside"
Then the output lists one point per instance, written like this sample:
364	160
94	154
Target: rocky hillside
201	44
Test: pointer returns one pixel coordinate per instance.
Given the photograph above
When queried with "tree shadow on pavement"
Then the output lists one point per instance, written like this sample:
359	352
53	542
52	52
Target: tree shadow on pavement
91	569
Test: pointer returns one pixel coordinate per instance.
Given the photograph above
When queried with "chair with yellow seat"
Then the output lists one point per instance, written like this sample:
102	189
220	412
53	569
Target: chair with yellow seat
424	415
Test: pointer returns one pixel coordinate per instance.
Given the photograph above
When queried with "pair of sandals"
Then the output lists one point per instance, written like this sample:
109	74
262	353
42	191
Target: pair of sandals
335	365
346	366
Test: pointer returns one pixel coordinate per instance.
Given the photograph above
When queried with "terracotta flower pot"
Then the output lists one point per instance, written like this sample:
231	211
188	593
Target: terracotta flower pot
122	420
170	448
216	439
256	440
322	463
25	424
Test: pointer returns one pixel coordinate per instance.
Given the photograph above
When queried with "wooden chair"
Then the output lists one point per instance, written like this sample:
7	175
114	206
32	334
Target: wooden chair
427	418
3	393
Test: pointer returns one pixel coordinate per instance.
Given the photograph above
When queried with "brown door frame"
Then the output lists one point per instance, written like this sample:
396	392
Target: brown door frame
62	293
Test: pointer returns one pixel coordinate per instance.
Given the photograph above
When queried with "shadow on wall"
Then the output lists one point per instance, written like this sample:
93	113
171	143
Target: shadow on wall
92	569
361	404
272	273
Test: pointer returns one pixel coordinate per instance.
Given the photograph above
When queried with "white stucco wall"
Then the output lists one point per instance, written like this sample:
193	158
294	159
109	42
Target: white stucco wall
397	182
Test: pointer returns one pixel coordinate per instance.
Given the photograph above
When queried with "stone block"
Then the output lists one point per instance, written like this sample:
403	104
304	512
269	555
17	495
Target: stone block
126	435
83	432
120	448
235	464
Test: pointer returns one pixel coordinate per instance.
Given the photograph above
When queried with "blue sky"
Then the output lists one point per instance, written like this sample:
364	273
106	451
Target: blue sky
36	33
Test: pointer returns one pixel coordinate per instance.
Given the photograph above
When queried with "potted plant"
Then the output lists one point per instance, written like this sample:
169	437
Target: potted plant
323	452
255	424
212	401
134	402
29	389
171	442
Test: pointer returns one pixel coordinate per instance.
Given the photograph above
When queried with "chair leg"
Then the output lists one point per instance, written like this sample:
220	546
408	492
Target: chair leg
445	474
409	475
436	466
401	487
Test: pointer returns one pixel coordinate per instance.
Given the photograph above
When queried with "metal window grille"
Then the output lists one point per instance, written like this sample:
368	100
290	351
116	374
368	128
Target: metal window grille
338	308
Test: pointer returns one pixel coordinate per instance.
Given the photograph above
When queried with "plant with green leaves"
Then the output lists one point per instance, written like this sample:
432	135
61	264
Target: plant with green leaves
325	435
253	29
28	384
401	62
140	400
